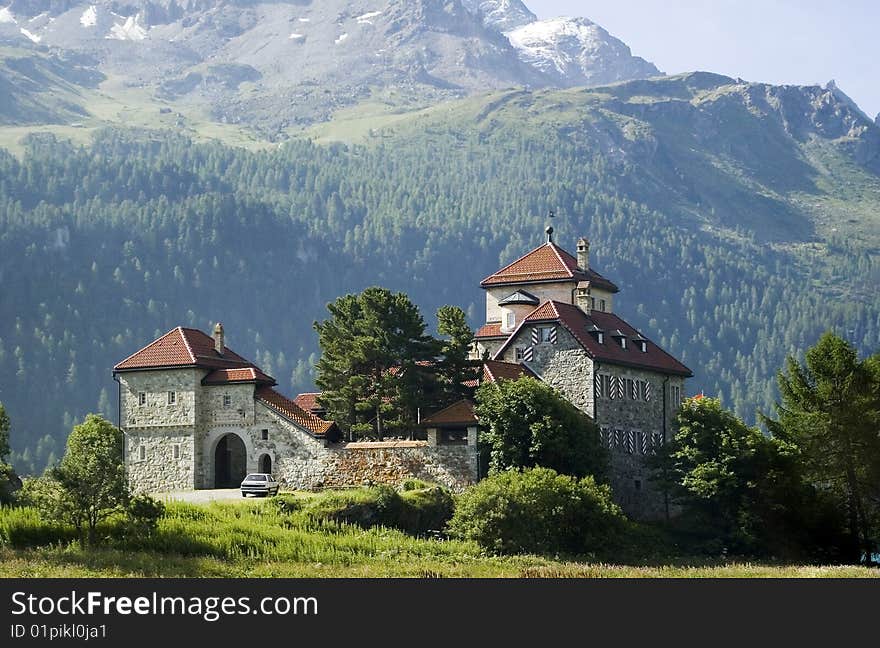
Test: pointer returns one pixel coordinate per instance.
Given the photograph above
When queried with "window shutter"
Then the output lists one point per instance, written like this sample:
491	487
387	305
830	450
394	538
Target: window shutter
644	442
597	386
553	335
647	391
535	336
630	441
527	354
618	387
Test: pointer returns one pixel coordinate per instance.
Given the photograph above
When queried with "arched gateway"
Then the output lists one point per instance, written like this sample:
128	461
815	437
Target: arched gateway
230	461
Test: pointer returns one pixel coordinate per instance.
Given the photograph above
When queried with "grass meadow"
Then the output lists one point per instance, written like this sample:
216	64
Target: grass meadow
304	536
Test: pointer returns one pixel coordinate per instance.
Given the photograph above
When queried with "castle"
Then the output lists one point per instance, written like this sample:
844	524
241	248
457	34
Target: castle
197	415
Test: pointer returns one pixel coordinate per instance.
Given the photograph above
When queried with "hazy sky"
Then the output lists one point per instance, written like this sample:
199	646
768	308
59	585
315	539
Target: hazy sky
777	41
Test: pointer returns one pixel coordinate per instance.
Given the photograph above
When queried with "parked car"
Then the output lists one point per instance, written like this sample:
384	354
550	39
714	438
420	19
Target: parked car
259	484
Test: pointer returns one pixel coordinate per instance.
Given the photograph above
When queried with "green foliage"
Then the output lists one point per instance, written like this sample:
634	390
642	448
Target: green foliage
415	511
538	511
830	411
372	351
144	513
527	423
730	478
454	368
9	481
88	486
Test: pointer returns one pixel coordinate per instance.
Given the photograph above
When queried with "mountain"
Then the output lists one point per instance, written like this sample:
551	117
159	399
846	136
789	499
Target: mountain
576	51
503	15
278	65
740	220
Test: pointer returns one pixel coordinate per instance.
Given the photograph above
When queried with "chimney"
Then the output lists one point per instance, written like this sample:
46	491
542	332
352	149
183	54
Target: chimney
218	338
583	299
583	250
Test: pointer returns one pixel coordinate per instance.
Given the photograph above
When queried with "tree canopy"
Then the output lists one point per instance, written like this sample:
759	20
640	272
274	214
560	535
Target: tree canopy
830	411
527	423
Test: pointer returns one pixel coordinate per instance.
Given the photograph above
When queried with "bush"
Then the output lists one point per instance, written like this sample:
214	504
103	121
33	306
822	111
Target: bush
417	512
286	503
22	527
143	513
538	511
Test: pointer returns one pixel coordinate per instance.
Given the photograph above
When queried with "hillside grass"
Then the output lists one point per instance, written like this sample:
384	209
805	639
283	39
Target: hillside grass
295	536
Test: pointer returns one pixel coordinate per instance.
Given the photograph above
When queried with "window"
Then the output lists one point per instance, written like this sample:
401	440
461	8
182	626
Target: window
227	400
172	398
511	320
175	451
675	395
264	435
547	334
592	303
142	453
602	305
638	484
519	353
142	398
600	336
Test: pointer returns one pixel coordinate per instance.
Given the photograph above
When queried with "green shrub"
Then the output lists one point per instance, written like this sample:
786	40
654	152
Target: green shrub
22	527
285	503
538	511
415	484
416	512
143	513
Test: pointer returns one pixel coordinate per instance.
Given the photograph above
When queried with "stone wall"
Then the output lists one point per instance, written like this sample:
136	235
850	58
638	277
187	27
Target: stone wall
159	470
631	429
393	463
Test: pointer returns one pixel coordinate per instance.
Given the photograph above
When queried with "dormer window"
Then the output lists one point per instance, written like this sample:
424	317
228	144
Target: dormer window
602	305
597	333
620	337
511	320
641	343
547	334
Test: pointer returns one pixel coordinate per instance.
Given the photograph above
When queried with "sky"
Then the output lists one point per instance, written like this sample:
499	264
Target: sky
807	42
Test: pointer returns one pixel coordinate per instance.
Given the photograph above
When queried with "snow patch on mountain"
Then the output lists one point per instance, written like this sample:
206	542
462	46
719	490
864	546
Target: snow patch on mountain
89	17
503	15
7	17
367	18
129	30
296	37
577	51
30	35
341	38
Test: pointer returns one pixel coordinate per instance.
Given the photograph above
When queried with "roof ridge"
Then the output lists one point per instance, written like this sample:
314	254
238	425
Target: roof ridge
556	249
186	343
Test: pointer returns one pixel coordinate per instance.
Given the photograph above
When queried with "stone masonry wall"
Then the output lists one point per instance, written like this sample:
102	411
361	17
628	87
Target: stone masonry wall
159	470
393	463
630	429
564	365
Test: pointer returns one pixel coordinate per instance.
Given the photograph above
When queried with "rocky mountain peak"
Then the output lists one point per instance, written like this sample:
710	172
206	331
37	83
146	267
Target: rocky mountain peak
503	15
577	51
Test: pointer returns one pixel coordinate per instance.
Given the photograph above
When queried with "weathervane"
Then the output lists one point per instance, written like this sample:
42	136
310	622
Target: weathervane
549	229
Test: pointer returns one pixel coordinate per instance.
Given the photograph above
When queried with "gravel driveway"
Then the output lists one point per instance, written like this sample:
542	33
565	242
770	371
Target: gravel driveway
202	496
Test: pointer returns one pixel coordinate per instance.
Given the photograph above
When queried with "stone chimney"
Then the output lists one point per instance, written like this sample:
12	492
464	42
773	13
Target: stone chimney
583	250
219	338
582	298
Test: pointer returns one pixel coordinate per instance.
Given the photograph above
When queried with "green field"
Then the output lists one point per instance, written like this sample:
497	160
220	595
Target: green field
261	539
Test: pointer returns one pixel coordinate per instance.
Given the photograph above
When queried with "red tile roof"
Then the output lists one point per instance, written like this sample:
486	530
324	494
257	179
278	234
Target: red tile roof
492	330
182	347
577	321
495	370
549	262
460	413
309	402
293	412
229	376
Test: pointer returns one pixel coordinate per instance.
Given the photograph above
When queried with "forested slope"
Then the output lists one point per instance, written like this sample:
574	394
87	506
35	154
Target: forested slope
740	221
